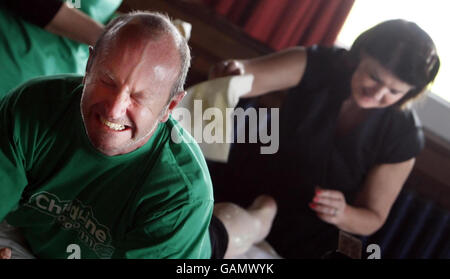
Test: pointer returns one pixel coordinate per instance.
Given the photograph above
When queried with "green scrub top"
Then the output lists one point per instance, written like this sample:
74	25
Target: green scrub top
28	51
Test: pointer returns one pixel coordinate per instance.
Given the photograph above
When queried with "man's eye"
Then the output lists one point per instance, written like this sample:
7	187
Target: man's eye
138	98
109	83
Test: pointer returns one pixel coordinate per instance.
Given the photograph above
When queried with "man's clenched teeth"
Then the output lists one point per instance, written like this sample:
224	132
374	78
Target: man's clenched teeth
114	126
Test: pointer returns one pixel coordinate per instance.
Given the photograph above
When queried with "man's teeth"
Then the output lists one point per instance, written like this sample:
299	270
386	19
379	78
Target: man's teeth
114	126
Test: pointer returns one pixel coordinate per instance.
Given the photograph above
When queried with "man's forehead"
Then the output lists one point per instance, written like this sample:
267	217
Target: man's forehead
132	51
131	40
140	72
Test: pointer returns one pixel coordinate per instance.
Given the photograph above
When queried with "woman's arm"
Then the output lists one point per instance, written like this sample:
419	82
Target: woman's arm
372	203
74	24
272	72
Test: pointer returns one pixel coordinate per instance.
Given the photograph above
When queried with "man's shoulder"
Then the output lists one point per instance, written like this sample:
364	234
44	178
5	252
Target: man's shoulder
49	86
43	99
181	144
182	160
178	180
38	93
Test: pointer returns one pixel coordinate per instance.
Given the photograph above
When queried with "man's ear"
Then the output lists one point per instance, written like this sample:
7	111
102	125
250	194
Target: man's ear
172	104
89	62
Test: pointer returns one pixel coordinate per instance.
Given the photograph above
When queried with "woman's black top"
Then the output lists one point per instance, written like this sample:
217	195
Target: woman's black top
38	12
311	154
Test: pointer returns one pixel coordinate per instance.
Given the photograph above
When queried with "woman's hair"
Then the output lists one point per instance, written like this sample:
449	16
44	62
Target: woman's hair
404	49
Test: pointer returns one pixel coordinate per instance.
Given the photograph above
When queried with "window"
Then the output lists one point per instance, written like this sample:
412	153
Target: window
432	16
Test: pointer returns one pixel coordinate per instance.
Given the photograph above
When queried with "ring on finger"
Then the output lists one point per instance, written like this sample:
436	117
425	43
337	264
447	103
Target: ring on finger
334	211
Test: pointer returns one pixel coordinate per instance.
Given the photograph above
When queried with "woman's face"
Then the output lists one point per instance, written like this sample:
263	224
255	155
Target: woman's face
373	86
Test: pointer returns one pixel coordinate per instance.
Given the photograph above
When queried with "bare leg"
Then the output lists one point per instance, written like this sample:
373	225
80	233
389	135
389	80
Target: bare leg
246	227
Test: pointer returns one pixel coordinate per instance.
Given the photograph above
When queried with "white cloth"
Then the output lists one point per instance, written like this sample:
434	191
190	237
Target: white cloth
221	94
184	28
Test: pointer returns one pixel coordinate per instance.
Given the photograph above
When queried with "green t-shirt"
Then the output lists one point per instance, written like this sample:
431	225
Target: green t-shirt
154	202
28	51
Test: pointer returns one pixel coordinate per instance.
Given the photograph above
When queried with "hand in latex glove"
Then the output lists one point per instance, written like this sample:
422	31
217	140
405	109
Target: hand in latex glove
226	68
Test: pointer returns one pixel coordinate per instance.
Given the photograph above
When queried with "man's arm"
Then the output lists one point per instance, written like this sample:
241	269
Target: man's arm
12	174
13	178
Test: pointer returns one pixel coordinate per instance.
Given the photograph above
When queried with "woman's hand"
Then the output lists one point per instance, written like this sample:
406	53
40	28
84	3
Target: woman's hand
226	68
329	205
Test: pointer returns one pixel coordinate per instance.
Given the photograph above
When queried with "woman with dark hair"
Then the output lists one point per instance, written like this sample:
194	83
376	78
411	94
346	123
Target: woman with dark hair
348	137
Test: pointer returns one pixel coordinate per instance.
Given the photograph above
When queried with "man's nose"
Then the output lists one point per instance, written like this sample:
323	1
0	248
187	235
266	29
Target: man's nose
118	104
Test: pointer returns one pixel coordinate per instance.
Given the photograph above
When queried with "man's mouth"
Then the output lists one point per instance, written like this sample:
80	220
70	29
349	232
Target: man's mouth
113	126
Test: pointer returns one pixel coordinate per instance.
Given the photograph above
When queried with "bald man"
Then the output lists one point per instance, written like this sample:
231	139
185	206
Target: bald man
88	162
88	168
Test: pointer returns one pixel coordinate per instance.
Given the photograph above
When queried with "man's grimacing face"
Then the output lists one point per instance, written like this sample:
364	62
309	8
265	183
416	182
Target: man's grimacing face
127	88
